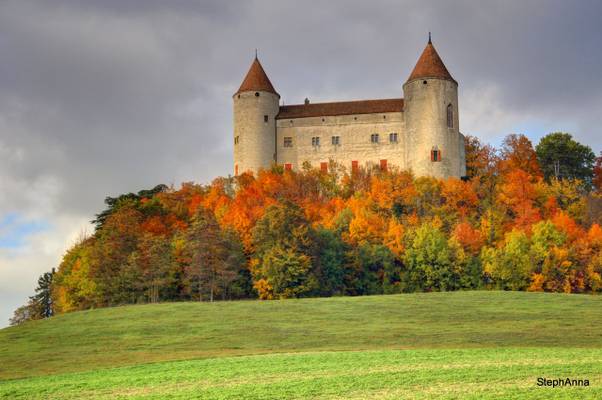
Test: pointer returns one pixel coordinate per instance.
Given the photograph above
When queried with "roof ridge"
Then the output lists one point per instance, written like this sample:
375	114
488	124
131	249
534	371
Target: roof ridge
349	107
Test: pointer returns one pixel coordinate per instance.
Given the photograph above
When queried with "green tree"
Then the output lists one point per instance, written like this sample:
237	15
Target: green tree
42	299
332	262
428	261
374	270
40	304
509	266
288	272
561	157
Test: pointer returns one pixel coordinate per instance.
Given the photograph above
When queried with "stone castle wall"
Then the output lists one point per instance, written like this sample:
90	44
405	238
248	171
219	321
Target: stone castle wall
426	102
354	132
254	138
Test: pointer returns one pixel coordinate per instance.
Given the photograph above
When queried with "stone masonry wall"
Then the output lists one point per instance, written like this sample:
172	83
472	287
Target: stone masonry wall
354	132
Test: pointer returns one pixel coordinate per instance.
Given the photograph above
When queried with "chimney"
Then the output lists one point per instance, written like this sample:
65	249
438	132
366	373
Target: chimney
306	101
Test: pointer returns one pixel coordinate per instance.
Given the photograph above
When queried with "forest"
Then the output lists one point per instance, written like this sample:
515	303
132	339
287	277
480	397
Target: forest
525	218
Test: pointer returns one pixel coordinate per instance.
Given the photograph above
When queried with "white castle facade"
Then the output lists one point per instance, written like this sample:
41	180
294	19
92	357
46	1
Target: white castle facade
419	132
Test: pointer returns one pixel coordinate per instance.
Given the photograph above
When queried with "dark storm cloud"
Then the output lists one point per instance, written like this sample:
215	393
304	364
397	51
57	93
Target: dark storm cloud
107	96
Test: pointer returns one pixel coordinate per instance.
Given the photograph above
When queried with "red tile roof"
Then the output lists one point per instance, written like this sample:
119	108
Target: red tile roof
340	108
430	65
256	80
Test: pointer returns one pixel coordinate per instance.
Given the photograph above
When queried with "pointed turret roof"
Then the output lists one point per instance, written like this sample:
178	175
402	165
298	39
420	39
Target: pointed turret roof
256	80
430	65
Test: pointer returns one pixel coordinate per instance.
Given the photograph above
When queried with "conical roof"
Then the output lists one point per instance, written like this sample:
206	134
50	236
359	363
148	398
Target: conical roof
430	65
256	80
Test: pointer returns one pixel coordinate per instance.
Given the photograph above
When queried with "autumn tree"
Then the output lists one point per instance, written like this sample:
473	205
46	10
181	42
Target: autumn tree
215	258
518	194
150	266
283	241
113	245
517	153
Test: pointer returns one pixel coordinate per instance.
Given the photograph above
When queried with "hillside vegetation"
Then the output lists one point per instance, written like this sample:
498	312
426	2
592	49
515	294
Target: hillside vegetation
121	336
513	225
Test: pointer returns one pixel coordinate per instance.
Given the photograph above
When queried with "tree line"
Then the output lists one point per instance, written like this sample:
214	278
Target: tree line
525	218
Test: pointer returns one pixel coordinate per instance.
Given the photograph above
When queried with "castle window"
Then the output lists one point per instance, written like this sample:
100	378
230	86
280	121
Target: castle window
256	94
424	82
288	167
315	141
324	166
393	137
288	141
236	169
354	166
236	139
374	138
336	140
435	154
265	118
450	116
383	165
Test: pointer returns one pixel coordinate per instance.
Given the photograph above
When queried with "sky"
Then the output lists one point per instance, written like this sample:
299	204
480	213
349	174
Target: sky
103	97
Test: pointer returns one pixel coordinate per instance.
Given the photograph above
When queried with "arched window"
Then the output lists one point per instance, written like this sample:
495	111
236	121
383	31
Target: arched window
435	154
450	116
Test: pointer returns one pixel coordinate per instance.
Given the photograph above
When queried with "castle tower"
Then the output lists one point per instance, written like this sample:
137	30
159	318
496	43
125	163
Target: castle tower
256	105
434	143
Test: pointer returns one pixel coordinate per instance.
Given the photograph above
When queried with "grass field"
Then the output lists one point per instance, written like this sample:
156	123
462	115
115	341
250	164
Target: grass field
432	345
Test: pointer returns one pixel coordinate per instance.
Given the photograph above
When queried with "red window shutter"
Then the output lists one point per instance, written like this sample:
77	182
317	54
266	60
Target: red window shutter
354	166
324	166
439	158
432	155
383	165
236	170
288	167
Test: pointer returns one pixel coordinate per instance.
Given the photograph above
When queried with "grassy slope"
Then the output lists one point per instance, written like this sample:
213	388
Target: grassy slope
484	321
500	373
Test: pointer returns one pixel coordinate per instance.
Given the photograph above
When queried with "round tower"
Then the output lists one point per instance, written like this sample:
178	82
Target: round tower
434	142
256	105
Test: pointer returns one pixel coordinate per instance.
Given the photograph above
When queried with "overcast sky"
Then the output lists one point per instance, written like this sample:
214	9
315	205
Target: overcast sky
103	97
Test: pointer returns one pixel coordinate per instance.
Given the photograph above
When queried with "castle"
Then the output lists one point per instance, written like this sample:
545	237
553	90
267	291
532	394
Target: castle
419	132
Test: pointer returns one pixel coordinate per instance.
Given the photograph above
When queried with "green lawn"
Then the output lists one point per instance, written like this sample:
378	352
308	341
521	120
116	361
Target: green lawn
432	345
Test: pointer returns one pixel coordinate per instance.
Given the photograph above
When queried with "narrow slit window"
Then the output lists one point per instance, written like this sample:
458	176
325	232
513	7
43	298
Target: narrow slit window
265	118
450	116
